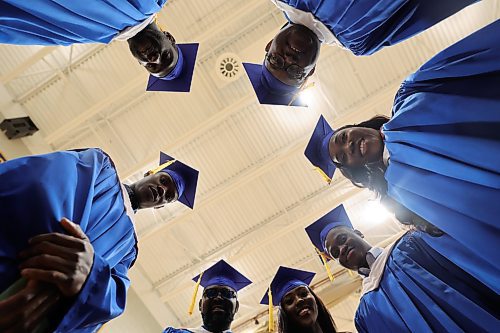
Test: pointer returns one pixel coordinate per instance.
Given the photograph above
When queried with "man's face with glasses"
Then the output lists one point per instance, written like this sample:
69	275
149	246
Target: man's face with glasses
292	54
218	306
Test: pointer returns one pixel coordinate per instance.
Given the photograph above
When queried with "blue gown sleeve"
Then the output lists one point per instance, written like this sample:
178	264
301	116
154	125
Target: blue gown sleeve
360	324
102	297
175	330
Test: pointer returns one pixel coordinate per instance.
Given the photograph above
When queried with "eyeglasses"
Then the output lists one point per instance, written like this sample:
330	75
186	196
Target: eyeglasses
294	71
224	293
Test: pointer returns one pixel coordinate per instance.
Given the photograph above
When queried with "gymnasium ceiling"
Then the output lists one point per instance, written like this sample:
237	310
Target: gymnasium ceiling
256	191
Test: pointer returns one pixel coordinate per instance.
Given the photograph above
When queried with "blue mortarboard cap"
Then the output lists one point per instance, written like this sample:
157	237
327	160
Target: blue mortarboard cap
223	274
317	149
318	231
285	280
179	80
185	178
270	90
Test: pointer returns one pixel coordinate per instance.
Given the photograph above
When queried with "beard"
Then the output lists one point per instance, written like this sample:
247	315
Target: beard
217	323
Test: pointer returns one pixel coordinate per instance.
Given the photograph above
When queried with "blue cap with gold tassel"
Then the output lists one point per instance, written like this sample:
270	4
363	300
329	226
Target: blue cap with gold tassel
285	280
317	150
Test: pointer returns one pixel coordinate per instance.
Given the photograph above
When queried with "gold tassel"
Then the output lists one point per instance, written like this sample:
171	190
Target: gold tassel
161	167
158	24
325	263
271	310
193	299
302	88
323	174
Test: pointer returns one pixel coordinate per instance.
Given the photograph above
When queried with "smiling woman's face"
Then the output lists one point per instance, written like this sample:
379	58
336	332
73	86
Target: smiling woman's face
300	307
154	50
356	146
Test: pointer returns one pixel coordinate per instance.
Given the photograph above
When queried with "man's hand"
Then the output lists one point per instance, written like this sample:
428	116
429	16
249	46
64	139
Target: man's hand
23	311
63	260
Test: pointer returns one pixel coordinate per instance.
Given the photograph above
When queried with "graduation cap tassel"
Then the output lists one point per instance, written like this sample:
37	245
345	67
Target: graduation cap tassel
161	167
158	24
323	174
323	260
271	311
193	299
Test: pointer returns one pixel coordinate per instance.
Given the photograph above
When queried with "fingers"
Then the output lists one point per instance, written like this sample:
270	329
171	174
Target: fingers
47	248
49	276
48	262
39	308
73	229
29	314
59	239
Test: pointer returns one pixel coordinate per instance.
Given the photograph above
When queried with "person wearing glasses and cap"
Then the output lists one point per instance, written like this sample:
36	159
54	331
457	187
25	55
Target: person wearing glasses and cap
363	27
219	301
300	309
66	22
419	283
67	238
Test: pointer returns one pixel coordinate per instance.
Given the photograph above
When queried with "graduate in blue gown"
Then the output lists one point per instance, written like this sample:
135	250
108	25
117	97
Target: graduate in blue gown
87	259
412	285
67	22
438	155
300	309
363	27
219	302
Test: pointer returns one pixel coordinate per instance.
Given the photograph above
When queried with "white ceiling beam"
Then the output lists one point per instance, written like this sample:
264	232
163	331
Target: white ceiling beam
139	80
330	294
21	68
263	167
264	238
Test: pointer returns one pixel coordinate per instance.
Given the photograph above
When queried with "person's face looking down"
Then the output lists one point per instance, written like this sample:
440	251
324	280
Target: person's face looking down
155	50
356	146
292	54
155	190
218	306
300	307
348	247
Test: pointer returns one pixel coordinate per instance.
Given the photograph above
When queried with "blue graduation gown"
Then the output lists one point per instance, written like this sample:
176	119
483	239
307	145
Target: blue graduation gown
37	191
66	22
365	26
191	330
444	143
420	290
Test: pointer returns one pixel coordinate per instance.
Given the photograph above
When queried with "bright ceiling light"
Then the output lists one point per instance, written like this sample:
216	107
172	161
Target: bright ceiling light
307	96
374	212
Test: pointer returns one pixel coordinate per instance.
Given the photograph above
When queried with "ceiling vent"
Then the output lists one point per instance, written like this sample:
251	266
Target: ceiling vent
229	67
